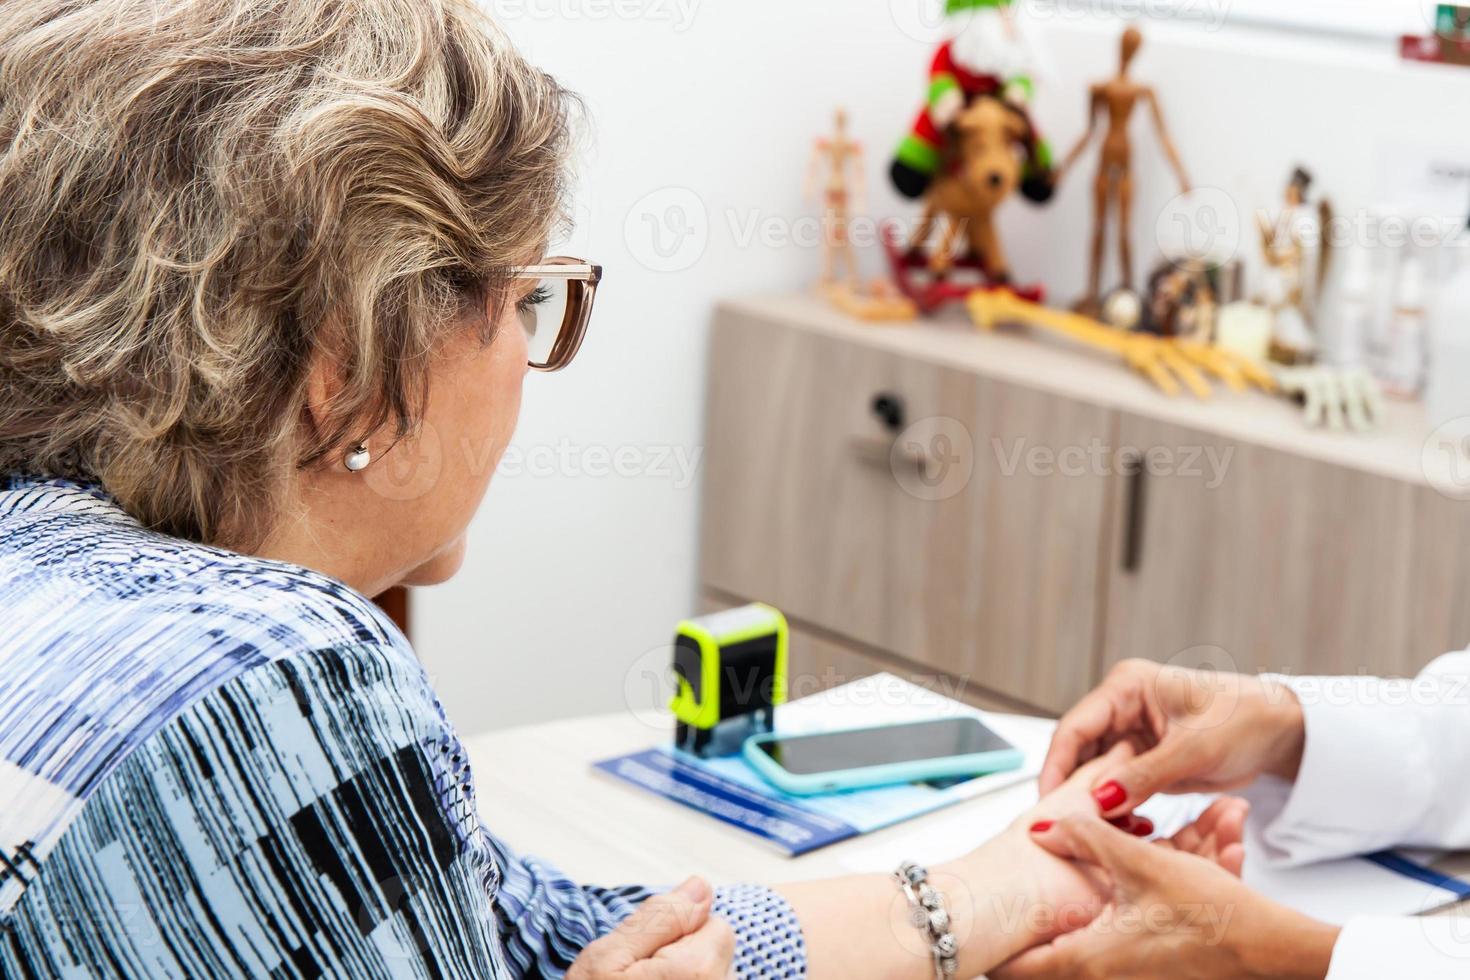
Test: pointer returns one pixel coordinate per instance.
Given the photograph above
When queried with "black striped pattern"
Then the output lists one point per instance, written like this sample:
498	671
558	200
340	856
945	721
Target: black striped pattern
225	767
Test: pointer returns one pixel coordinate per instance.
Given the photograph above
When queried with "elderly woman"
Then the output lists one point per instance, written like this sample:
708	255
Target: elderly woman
252	252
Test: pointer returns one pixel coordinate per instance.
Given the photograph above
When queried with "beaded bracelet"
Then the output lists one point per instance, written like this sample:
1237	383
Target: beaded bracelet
928	914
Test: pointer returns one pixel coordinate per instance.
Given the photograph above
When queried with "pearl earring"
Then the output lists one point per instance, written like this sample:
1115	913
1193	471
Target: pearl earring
359	458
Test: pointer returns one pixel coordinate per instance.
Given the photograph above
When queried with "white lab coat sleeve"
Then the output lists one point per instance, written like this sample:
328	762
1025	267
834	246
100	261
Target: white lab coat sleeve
1371	948
1386	764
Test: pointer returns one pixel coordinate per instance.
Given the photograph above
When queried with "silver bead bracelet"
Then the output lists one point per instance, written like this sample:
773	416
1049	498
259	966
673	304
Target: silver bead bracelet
928	914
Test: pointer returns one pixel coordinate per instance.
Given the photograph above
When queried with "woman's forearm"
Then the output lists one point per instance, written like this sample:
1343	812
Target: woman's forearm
859	926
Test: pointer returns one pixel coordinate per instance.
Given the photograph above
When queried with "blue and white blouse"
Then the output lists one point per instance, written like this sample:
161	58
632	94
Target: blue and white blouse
213	765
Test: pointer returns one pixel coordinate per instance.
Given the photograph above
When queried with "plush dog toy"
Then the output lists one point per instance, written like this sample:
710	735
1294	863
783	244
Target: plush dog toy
987	56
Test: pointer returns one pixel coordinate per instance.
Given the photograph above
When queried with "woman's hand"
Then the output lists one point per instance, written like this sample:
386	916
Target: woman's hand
1194	731
1171	914
1062	895
669	937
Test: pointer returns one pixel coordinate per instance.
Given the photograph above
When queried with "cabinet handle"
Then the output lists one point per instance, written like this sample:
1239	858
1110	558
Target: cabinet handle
1137	499
884	454
890	411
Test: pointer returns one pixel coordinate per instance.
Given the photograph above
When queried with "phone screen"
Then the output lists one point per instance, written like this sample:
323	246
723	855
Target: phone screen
807	755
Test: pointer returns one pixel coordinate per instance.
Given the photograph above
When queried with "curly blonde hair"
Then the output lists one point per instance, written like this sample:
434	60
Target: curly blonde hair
199	197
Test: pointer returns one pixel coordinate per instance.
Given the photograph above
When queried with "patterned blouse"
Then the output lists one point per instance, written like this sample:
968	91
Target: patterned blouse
219	766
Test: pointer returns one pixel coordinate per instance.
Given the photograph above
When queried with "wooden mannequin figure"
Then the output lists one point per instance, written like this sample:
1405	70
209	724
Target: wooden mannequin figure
842	158
1117	98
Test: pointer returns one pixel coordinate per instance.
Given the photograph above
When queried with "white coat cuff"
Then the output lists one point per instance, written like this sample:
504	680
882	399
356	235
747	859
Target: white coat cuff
1366	776
1370	948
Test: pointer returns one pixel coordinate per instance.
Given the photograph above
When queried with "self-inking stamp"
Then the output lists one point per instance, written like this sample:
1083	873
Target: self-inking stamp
731	670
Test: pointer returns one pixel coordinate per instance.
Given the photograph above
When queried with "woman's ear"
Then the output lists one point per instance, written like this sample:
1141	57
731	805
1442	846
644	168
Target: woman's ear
323	386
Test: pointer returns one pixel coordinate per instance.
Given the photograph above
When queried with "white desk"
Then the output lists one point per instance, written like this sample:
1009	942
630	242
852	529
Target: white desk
539	793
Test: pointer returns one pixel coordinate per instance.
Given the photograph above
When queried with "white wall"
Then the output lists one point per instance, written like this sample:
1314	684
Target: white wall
705	109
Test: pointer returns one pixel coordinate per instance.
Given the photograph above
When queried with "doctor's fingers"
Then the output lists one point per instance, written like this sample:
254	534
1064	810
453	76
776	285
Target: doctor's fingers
1114	712
1082	955
1217	835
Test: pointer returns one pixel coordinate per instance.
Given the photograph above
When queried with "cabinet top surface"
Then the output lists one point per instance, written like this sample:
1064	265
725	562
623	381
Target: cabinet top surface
1032	359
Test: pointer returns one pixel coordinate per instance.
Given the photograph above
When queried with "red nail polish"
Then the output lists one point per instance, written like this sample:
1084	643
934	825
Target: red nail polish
1144	827
1110	795
1041	826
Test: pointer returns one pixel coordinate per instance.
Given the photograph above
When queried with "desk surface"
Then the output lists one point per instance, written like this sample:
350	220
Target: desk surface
539	792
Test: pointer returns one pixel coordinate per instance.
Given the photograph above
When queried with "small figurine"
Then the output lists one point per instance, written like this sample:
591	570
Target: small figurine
981	174
731	671
1182	301
989	55
842	160
1290	245
837	166
1113	190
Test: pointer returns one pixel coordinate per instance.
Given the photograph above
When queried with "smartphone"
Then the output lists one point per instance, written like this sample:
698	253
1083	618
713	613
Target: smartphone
827	762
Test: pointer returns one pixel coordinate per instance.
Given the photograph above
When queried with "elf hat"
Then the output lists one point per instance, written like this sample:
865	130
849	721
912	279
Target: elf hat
952	7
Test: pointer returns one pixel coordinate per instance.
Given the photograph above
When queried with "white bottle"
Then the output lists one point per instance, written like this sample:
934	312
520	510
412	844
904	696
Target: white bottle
1404	350
1447	396
1353	326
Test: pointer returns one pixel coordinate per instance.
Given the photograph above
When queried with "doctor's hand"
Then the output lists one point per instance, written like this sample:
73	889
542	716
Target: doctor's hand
1171	914
1193	731
670	937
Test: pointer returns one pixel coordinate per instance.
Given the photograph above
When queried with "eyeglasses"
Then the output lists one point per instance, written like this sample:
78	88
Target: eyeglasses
554	312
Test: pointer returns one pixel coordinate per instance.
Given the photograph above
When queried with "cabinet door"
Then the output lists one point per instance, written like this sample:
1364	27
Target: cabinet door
795	511
939	534
998	579
1439	578
1244	557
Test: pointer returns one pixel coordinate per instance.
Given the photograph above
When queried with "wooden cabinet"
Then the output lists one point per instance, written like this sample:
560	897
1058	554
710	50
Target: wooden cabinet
894	500
1019	516
996	581
821	661
1255	559
793	513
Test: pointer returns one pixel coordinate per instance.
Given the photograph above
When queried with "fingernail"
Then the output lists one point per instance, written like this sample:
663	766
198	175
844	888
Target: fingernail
1041	826
1110	795
1143	827
695	889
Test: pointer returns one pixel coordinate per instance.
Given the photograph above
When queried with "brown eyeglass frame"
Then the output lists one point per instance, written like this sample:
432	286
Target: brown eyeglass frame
582	278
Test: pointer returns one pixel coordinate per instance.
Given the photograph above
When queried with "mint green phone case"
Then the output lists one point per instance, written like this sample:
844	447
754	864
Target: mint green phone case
839	780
